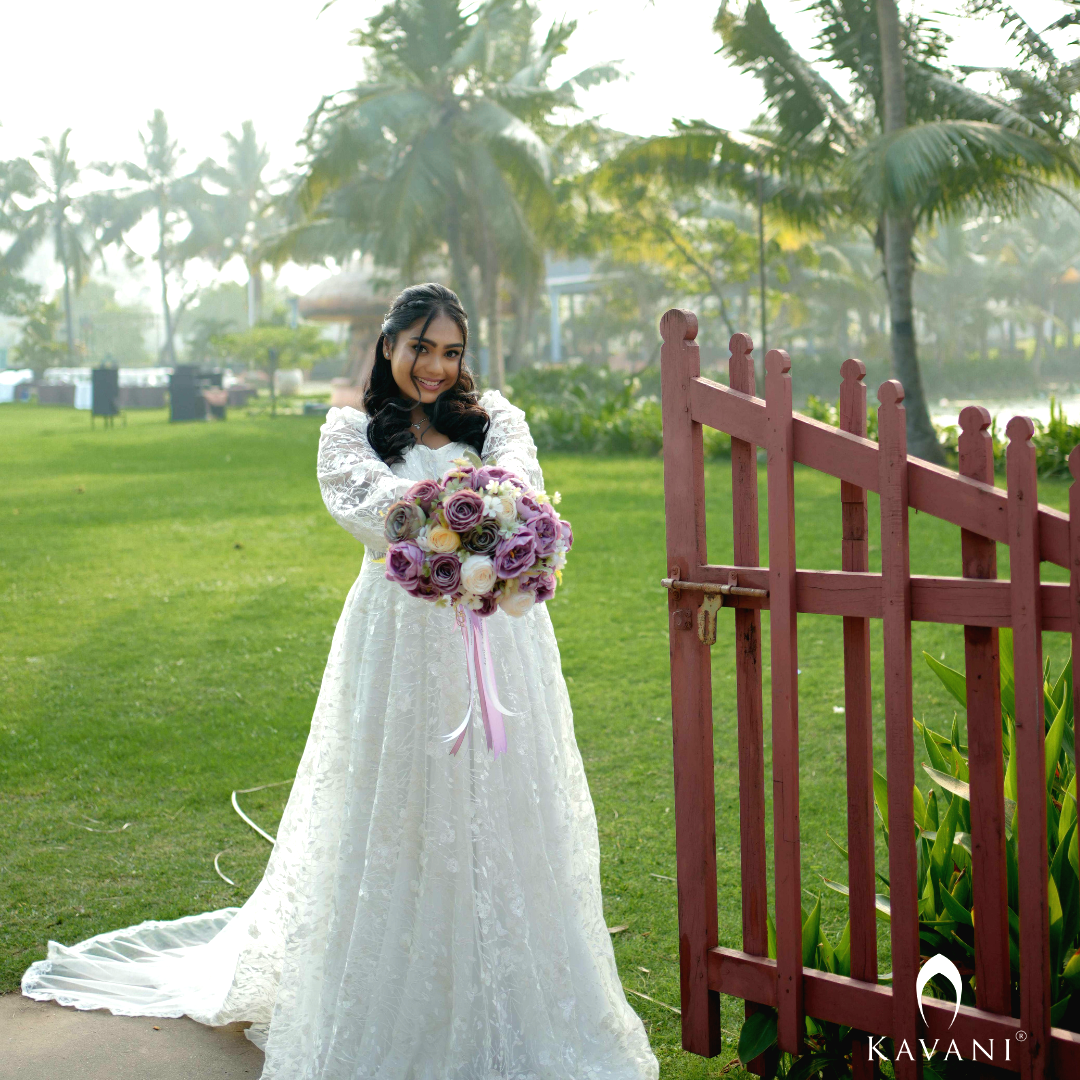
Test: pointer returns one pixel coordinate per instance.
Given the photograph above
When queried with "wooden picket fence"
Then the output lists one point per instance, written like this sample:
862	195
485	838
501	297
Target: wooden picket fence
986	516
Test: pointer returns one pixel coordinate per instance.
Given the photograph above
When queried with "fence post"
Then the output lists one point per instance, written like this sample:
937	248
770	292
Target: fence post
899	731
858	712
751	738
1074	584
1025	600
989	885
691	687
783	637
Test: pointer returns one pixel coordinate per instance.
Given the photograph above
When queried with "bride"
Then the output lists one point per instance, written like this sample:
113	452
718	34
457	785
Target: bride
422	916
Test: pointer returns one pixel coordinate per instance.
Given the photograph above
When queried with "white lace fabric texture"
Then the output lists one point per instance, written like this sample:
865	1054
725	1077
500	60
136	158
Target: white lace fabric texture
422	916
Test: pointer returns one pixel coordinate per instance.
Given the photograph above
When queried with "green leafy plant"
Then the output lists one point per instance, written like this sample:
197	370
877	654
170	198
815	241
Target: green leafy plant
581	408
828	1046
947	917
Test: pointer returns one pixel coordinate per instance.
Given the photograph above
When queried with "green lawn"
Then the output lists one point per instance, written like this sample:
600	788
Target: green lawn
167	597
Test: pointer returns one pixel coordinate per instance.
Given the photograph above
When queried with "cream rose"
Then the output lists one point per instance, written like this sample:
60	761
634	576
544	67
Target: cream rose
503	508
478	574
516	602
442	540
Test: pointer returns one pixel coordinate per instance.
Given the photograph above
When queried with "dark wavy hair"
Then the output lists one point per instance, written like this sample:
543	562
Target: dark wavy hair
456	412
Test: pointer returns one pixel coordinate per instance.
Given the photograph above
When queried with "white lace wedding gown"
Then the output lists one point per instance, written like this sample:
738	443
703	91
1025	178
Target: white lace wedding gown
422	916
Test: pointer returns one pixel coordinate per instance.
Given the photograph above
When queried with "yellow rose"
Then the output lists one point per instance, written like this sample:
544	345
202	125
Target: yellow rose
443	540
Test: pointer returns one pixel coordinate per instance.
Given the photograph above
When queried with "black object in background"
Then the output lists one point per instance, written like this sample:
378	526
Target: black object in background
105	387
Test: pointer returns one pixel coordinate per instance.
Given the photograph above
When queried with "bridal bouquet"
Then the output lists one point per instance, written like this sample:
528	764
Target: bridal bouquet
479	538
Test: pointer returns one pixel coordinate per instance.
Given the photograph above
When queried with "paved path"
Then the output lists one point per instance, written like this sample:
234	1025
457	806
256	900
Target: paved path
46	1041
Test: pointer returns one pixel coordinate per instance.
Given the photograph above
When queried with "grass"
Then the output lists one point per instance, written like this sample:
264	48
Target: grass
168	594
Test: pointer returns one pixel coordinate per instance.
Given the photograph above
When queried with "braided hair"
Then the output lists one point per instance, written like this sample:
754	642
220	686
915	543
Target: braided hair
456	412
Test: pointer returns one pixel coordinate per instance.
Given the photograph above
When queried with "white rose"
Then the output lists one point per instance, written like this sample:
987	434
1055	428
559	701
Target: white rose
506	511
516	602
477	574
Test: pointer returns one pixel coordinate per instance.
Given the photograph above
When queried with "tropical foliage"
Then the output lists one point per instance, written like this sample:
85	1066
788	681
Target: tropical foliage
822	156
51	213
443	153
946	914
269	347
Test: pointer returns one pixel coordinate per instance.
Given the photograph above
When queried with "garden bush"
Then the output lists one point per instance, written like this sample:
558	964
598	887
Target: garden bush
582	408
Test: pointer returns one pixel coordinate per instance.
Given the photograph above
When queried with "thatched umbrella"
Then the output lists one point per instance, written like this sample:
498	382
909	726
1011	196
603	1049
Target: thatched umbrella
349	297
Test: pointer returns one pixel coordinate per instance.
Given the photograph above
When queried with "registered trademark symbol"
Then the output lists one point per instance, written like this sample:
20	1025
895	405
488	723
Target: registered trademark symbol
1020	1036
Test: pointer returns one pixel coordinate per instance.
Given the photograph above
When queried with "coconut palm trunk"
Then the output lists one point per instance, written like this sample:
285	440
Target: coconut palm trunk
170	351
899	234
69	324
254	291
496	371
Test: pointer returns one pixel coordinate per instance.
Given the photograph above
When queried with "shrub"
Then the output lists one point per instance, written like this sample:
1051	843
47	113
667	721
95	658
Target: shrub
946	915
580	408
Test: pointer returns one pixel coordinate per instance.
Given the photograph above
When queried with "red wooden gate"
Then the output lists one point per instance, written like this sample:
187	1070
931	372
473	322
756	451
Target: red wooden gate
986	516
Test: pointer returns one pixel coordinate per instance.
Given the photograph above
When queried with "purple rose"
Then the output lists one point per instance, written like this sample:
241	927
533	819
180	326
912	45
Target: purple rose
461	472
497	472
463	510
484	539
445	573
403	521
545	531
489	604
541	585
425	492
423	589
404	562
481	478
566	534
515	554
528	507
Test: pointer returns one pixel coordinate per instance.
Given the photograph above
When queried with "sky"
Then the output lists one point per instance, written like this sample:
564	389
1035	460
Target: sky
101	69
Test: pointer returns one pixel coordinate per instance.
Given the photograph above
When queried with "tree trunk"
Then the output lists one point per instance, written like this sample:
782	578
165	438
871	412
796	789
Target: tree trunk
68	322
459	266
254	292
522	320
899	258
170	349
61	254
496	372
272	367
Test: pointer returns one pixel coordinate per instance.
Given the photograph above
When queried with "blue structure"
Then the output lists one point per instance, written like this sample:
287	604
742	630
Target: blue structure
566	277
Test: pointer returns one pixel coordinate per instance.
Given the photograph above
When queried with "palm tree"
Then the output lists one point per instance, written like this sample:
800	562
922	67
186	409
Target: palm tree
910	145
177	201
443	152
55	216
245	215
18	181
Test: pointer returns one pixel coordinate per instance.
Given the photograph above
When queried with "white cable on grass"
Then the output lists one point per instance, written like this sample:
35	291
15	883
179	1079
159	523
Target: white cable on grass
247	791
218	869
236	806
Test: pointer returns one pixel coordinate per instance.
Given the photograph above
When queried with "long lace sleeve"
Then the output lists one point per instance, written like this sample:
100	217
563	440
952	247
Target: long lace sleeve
357	485
509	439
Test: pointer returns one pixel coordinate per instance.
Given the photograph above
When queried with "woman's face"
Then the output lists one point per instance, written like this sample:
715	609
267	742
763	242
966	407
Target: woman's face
437	354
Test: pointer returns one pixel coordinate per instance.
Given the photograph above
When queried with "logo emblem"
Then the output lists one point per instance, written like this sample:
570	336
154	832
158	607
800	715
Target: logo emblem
939	965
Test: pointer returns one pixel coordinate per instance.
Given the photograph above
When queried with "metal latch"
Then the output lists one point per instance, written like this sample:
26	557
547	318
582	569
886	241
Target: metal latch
711	601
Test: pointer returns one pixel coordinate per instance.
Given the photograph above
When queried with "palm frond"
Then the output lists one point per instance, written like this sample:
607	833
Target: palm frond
489	121
1030	44
936	167
798	96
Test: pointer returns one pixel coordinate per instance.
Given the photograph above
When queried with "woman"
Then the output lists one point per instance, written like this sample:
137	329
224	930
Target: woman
422	916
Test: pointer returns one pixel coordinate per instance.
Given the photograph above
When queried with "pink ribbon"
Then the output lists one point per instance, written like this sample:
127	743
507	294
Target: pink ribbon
481	673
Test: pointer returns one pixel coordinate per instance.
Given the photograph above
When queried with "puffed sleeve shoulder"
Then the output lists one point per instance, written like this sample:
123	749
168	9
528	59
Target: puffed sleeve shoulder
509	440
356	484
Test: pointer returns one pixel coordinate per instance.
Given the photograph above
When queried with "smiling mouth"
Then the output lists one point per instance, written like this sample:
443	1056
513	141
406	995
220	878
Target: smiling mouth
430	384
